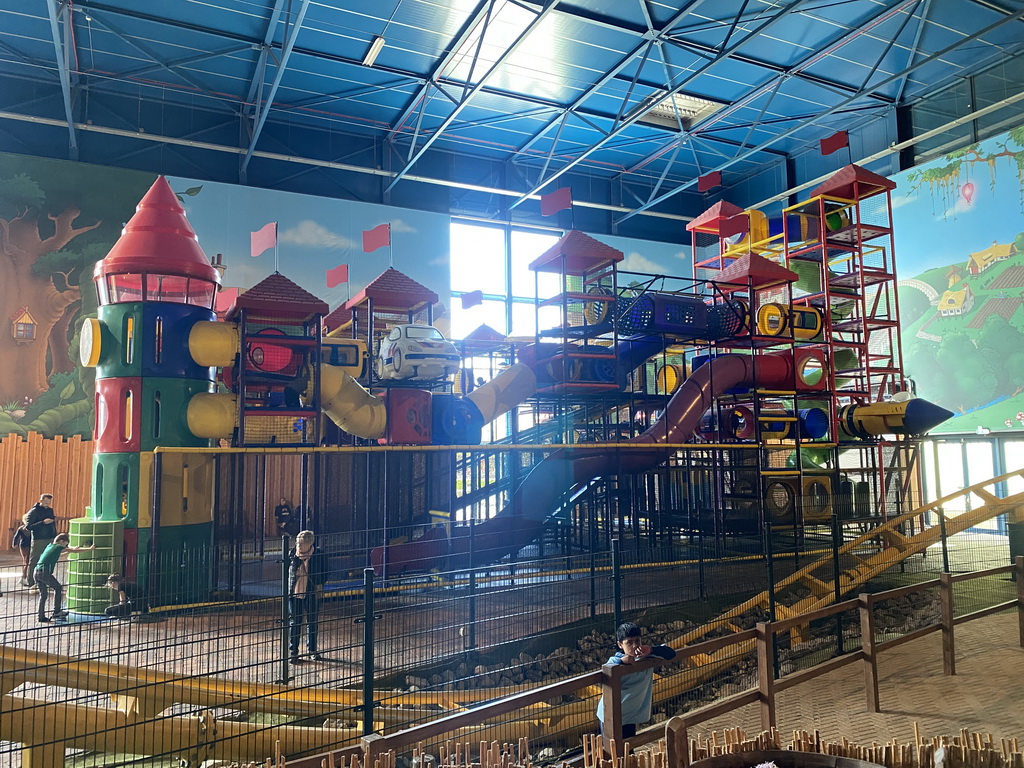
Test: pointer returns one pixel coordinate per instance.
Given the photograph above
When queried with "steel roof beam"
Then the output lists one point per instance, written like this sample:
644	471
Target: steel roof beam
610	75
482	12
807	61
641	111
789	132
436	133
263	107
68	80
256	84
914	48
132	41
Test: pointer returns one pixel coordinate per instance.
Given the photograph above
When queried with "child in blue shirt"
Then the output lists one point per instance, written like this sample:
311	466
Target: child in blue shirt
638	686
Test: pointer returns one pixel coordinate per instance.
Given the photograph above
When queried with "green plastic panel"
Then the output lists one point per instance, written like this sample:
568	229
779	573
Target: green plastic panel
121	340
115	488
88	571
164	404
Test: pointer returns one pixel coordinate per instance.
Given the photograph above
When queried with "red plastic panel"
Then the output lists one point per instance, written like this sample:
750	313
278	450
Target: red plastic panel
409	417
118	415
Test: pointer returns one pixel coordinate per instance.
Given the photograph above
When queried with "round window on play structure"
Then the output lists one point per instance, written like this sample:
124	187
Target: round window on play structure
811	371
778	501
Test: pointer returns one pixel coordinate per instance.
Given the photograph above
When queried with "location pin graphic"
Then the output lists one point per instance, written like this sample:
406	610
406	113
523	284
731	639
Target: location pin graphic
967	192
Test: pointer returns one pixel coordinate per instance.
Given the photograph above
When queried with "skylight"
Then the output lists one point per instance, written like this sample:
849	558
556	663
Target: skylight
679	110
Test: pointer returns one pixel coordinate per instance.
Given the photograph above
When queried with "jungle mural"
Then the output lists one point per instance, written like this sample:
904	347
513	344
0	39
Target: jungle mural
959	225
57	219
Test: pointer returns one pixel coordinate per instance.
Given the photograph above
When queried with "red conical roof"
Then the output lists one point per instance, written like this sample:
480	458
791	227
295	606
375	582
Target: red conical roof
158	239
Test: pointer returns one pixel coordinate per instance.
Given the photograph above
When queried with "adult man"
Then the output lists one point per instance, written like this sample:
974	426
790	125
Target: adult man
42	526
307	574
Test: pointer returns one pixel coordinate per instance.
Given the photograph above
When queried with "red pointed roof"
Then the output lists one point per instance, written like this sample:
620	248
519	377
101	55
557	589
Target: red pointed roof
853	183
392	291
277	295
581	253
711	219
754	269
158	239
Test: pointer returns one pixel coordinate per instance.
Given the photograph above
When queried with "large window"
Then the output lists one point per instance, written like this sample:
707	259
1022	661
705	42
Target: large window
494	260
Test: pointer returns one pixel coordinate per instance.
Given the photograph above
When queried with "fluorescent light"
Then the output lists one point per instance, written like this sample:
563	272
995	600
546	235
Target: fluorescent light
375	48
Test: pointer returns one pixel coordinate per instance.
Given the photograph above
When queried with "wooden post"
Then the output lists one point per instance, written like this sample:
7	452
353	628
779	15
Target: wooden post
374	745
611	695
42	755
1018	573
765	674
677	746
866	605
948	643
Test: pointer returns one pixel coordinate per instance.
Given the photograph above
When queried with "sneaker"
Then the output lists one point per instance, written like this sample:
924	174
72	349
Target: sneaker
33	588
60	615
316	656
297	660
45	619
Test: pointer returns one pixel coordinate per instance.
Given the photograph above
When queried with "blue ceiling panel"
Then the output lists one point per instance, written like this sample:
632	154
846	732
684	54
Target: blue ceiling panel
535	93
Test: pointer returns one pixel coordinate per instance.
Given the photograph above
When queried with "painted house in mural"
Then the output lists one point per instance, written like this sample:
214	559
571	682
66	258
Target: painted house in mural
958	302
982	260
23	326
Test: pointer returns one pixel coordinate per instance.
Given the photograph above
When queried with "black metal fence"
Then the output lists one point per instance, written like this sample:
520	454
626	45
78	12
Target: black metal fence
410	649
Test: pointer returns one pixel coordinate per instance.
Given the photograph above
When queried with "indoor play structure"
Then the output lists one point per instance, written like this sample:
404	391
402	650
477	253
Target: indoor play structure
784	341
767	386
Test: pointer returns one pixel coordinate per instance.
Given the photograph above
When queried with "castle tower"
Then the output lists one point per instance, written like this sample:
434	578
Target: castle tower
153	287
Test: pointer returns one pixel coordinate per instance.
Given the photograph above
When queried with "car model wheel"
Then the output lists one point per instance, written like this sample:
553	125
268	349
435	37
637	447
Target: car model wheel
396	361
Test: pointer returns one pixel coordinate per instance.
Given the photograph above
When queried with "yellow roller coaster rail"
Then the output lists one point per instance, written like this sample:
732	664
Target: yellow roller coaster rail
870	561
140	695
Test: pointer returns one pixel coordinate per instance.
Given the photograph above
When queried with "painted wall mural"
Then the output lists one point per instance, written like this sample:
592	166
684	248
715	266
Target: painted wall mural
58	218
959	224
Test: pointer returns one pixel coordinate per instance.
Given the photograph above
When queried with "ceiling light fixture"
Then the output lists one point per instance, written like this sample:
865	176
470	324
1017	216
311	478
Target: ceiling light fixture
375	49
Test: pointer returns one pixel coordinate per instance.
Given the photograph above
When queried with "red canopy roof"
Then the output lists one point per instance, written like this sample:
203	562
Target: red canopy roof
853	183
754	269
391	290
581	253
278	296
711	219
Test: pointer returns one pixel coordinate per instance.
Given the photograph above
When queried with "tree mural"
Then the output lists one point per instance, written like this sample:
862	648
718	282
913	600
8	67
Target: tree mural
944	181
56	220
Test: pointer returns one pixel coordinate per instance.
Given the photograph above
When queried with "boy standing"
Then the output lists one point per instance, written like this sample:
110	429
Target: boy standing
46	580
637	687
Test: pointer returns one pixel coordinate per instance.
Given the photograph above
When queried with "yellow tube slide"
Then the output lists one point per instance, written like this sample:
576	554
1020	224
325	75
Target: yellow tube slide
504	392
350	406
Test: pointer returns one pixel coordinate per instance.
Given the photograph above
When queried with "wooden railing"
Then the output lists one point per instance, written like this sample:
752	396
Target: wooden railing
768	685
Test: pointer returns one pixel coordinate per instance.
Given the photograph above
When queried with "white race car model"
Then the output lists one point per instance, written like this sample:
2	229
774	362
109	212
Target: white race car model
416	352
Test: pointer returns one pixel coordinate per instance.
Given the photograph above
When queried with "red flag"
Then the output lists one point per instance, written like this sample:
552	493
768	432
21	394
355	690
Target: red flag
225	298
262	239
836	141
557	201
734	225
376	238
709	181
337	276
472	298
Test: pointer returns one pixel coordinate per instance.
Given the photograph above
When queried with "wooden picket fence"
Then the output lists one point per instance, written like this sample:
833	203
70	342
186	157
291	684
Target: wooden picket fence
36	464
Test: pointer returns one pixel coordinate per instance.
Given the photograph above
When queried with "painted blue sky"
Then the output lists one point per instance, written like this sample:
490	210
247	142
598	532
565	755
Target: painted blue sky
315	234
940	226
